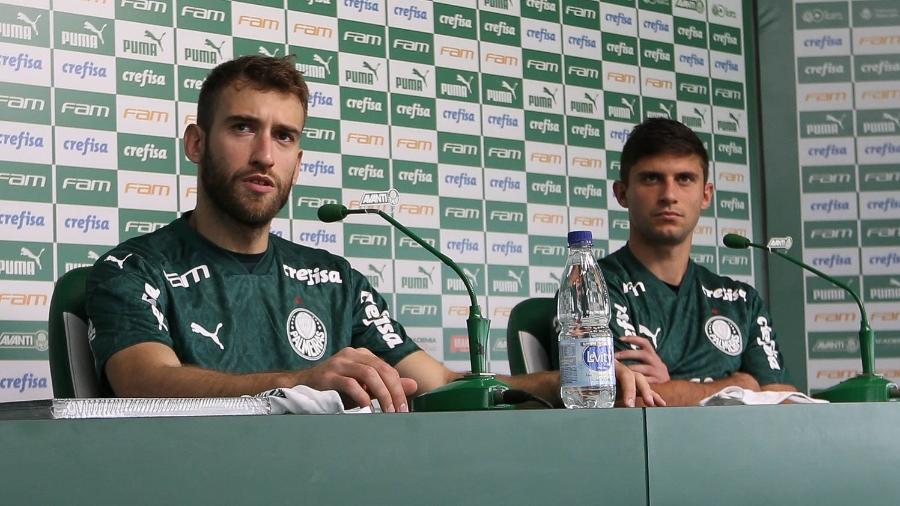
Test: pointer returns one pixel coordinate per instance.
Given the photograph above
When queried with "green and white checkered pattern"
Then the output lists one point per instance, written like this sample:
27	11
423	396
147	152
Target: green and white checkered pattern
848	102
500	122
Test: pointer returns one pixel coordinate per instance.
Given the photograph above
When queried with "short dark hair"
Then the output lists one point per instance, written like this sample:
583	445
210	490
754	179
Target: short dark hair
657	136
261	72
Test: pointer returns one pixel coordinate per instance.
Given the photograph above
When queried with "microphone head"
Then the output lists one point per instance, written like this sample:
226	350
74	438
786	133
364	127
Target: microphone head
332	212
735	241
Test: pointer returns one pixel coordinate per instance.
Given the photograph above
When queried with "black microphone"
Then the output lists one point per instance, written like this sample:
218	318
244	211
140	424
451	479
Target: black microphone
476	390
733	241
866	387
329	213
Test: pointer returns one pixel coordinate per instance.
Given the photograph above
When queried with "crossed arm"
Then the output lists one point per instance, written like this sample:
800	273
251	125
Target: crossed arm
682	392
153	369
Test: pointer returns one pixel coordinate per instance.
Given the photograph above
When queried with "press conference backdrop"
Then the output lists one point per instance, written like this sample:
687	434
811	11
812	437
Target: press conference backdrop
831	134
499	122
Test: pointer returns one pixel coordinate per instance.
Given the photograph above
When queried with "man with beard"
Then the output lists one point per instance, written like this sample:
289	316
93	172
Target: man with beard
215	305
688	330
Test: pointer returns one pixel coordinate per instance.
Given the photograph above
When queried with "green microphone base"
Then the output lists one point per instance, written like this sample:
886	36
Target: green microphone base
862	388
473	392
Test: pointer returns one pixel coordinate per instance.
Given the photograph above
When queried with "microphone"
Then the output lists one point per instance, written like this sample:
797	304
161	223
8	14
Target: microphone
866	387
330	213
475	391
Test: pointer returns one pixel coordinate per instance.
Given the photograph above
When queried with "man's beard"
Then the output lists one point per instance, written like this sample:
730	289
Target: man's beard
223	193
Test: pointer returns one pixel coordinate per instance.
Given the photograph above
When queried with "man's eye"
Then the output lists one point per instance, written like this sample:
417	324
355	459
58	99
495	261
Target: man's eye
241	127
286	137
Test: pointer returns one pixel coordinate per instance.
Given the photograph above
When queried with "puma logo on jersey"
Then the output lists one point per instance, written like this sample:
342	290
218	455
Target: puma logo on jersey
120	263
150	296
312	276
381	320
184	280
646	332
197	329
635	289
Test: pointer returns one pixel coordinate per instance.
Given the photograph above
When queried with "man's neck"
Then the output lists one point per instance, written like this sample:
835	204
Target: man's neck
226	233
668	263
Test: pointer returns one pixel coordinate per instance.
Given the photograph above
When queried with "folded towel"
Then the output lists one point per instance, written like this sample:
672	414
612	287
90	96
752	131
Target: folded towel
735	395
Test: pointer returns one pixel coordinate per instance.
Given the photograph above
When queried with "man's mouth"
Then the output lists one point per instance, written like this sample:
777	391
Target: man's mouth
668	215
259	182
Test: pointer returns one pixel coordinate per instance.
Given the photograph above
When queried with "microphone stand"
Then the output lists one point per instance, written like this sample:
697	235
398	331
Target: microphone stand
866	387
479	389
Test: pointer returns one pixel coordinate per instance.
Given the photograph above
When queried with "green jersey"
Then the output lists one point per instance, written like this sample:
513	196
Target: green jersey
707	329
294	309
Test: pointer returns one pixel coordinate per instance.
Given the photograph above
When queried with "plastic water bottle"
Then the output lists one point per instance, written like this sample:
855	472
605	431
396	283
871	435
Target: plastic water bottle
586	366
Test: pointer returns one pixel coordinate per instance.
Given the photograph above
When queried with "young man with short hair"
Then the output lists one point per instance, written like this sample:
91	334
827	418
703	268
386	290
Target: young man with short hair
690	331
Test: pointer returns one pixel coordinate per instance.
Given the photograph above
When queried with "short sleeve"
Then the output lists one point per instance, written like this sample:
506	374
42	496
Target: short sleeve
619	318
373	326
762	359
126	305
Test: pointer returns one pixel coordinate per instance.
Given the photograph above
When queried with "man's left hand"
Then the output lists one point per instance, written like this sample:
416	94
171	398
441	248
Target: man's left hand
650	364
632	389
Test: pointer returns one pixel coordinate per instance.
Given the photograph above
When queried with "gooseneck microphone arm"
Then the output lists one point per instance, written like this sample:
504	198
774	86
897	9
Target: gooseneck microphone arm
336	212
866	336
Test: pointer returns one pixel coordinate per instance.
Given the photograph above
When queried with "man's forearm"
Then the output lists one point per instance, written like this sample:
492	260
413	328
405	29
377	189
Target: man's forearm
689	393
189	381
543	384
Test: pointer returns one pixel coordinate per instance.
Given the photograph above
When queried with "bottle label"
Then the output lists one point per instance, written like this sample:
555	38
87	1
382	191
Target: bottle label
586	362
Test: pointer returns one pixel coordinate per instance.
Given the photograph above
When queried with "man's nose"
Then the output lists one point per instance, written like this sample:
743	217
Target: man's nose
262	150
669	191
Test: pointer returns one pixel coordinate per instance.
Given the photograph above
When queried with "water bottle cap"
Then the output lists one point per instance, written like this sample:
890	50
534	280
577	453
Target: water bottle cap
577	236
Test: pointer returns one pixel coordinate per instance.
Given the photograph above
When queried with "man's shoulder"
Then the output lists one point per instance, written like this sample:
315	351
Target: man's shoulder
619	263
710	281
158	248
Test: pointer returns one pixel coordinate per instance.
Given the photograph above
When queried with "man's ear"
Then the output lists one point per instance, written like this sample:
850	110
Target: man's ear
619	191
297	167
194	143
707	195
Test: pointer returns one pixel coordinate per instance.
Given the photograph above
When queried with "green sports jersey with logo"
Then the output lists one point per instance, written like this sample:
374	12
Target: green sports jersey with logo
294	309
711	327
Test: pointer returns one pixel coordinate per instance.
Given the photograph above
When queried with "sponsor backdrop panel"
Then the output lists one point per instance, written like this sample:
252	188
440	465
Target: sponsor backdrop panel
833	127
499	122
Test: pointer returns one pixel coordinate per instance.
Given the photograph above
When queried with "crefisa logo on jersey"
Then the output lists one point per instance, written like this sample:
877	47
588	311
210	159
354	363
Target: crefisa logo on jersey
724	335
306	333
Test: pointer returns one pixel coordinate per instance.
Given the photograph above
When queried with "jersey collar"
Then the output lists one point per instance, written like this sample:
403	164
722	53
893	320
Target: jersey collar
226	260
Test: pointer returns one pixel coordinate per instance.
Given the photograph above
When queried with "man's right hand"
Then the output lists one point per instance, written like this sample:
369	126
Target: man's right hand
650	365
359	376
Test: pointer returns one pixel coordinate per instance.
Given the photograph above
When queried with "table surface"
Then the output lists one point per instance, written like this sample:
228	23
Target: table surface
799	454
